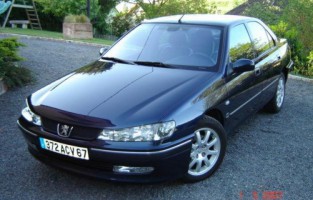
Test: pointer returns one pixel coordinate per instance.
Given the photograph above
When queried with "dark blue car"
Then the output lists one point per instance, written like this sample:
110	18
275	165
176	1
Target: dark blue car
159	104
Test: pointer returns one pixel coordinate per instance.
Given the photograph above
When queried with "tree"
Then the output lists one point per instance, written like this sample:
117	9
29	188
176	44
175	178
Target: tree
61	8
157	8
121	23
125	20
107	5
298	14
99	9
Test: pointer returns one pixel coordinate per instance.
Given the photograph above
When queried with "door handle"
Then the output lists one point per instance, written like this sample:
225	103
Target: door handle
257	71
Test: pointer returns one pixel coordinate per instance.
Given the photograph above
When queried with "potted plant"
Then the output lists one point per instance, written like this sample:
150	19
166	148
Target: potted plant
77	26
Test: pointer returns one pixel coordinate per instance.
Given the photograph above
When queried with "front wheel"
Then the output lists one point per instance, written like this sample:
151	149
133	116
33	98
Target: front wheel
208	150
276	103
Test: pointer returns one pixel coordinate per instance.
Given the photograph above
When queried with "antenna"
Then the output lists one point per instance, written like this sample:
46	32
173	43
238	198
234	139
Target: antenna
179	21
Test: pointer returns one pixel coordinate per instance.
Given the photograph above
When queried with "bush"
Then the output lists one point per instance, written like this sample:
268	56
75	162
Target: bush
8	50
307	69
290	19
14	76
283	30
310	64
310	59
122	22
10	72
76	19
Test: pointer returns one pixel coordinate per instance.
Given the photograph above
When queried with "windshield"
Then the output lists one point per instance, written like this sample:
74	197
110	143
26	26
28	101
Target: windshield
172	44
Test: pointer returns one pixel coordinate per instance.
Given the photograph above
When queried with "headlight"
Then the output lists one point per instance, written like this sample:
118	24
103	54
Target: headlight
30	116
145	133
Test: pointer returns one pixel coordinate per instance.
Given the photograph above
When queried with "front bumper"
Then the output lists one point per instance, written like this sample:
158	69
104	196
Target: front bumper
169	161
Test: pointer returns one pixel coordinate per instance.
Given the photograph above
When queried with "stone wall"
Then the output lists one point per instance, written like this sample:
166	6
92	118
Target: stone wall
77	30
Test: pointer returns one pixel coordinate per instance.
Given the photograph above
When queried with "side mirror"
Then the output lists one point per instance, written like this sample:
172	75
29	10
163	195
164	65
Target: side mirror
243	65
103	50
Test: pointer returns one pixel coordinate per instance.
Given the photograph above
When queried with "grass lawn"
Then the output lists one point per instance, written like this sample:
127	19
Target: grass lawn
50	34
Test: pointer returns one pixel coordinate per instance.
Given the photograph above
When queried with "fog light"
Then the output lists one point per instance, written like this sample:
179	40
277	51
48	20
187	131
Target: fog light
132	170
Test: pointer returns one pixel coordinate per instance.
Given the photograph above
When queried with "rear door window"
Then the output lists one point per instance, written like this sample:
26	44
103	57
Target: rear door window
259	37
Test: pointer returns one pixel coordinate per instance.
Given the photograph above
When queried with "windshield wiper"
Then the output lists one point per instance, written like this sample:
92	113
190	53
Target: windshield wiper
156	64
118	60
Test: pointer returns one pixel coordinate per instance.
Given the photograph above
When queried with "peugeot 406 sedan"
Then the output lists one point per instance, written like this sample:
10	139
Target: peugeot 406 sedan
159	103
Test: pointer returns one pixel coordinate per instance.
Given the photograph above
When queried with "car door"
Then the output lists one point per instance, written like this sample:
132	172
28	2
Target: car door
244	88
266	60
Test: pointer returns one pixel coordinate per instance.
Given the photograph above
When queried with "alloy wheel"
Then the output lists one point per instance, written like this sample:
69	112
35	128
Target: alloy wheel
280	93
205	151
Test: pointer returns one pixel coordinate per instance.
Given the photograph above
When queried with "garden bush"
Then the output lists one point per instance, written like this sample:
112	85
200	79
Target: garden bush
76	19
290	19
12	74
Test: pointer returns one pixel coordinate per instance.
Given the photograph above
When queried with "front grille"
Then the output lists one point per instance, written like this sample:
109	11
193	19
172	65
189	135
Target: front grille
78	132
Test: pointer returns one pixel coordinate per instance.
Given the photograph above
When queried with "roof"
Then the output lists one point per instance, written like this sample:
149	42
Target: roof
218	20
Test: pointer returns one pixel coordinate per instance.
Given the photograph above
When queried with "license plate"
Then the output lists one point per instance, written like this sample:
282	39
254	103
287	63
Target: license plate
64	149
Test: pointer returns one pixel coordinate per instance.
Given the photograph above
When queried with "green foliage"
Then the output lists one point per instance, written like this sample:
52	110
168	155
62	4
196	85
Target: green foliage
310	65
241	50
290	19
159	8
125	20
310	59
306	69
298	14
49	21
122	22
14	76
264	11
11	74
283	30
50	34
58	9
107	5
8	50
76	19
62	8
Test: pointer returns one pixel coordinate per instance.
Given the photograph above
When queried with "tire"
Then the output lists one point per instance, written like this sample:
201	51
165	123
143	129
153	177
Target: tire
208	150
276	103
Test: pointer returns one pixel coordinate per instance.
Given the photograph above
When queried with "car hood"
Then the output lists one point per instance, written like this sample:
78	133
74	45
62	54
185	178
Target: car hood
117	95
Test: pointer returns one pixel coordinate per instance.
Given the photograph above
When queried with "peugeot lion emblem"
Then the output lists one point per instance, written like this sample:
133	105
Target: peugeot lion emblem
64	130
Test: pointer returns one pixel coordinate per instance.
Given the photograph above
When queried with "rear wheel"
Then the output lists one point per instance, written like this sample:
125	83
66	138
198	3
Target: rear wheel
208	150
276	103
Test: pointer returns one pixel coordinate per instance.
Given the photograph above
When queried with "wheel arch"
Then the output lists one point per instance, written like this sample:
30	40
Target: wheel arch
285	71
216	114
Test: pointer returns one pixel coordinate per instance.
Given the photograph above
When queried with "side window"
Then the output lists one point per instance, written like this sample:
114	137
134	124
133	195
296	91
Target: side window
240	45
259	37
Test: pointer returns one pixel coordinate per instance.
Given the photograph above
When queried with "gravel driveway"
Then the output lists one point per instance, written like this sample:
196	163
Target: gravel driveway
269	153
